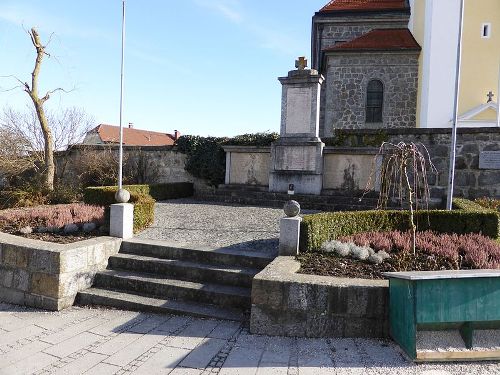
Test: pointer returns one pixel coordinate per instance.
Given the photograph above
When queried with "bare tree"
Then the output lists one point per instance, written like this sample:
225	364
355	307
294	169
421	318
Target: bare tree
22	143
31	88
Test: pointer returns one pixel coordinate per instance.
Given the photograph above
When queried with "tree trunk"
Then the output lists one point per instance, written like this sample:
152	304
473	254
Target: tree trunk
38	102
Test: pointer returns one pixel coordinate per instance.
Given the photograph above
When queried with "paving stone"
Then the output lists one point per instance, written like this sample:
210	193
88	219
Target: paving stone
201	356
73	344
74	330
130	352
22	353
186	371
117	324
103	369
10	322
117	343
272	369
225	330
19	334
28	367
242	361
80	365
149	324
163	362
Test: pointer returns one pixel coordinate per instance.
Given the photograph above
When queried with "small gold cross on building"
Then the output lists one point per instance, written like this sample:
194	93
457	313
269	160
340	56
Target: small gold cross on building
490	96
301	63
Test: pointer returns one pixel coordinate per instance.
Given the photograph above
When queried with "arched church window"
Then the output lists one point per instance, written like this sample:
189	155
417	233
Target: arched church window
374	101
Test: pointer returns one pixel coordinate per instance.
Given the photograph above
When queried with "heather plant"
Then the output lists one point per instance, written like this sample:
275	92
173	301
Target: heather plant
467	251
55	216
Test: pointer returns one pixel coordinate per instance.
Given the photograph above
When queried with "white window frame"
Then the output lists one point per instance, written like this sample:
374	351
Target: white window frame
488	34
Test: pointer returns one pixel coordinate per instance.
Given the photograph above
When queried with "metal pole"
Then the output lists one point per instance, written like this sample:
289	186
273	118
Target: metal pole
120	160
498	98
449	201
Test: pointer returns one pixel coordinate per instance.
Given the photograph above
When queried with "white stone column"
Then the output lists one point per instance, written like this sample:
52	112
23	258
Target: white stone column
122	220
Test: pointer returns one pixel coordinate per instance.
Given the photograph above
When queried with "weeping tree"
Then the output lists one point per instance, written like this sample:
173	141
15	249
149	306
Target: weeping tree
403	177
31	87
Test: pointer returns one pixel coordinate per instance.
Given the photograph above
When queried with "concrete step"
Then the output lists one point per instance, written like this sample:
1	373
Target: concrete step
197	254
156	286
184	270
127	301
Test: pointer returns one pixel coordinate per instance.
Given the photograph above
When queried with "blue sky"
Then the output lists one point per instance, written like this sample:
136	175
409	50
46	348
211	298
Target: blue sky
206	67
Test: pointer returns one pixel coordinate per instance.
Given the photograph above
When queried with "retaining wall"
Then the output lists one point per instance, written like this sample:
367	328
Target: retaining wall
49	275
285	303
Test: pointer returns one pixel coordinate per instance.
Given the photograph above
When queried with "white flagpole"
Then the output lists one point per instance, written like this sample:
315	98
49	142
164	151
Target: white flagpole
449	201
498	98
120	161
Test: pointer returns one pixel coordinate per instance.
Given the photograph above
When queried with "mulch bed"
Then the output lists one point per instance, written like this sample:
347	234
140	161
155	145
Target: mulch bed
331	265
58	238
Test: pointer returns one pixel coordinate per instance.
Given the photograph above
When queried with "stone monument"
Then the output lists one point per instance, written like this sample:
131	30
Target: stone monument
297	156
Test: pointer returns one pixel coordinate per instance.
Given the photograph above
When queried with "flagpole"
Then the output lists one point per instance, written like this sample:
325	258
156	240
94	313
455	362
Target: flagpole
498	98
453	149
120	161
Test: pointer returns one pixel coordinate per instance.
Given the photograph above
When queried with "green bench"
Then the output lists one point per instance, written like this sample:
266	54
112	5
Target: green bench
439	300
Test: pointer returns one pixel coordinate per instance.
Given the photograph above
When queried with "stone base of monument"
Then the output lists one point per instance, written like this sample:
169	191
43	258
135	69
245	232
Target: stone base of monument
297	163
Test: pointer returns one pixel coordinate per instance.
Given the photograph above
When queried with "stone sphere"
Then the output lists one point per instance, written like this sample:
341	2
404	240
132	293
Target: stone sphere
122	196
291	208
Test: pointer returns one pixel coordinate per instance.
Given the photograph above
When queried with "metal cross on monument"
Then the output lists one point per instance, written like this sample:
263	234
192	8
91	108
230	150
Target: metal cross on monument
490	96
301	63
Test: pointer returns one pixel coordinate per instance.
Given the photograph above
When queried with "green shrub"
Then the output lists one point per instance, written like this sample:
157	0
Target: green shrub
489	203
144	211
105	195
468	218
205	155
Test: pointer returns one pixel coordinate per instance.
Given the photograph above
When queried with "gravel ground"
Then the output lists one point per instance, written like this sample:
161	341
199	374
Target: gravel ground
216	225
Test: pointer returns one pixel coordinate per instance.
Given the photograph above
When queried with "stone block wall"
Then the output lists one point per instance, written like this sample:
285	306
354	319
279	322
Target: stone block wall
158	164
48	275
247	165
346	80
285	303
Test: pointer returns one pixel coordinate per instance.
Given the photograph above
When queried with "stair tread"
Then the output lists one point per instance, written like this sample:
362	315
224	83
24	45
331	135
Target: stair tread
140	302
188	264
155	278
195	248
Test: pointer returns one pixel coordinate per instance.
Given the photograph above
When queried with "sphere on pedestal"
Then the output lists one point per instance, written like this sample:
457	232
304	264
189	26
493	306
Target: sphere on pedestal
122	196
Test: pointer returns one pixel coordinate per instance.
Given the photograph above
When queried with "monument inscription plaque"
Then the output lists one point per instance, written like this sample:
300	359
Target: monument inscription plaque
298	110
489	160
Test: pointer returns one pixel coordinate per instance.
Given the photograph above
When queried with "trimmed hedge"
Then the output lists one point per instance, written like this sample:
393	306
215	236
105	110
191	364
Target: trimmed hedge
105	195
469	217
144	211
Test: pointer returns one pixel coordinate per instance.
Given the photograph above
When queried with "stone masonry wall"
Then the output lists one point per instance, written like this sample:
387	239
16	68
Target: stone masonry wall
285	303
347	78
158	164
49	275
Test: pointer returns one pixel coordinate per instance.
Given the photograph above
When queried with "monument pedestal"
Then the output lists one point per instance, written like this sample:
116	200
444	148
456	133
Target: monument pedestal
297	157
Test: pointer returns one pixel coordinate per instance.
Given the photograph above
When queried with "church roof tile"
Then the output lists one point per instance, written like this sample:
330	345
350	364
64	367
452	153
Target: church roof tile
363	5
380	39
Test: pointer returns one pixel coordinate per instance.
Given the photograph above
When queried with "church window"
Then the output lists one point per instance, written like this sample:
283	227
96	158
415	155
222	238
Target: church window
374	101
485	30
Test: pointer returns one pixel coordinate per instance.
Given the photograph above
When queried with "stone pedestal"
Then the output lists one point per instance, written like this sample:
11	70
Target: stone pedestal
122	220
297	157
289	236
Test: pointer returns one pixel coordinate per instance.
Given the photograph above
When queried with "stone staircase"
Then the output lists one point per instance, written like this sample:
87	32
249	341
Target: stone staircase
330	200
155	276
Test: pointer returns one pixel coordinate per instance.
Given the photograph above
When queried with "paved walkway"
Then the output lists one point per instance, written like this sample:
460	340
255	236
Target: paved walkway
99	341
216	225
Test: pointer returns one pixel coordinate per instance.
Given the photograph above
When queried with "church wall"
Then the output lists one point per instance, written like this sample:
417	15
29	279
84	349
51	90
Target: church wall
347	77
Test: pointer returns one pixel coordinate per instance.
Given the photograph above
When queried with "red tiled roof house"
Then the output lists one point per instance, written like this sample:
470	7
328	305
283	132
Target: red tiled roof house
110	134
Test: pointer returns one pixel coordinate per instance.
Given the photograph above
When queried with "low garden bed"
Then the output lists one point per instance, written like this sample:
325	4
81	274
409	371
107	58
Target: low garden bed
368	255
366	244
63	223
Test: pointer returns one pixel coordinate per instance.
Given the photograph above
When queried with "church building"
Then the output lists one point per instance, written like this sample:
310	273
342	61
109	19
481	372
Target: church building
392	63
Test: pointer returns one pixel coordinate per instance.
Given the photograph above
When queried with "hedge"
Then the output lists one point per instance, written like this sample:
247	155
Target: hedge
105	195
468	217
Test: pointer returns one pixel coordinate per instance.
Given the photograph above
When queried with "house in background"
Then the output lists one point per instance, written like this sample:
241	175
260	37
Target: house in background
110	134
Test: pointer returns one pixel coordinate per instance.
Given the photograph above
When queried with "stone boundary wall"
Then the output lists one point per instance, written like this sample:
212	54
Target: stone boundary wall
158	164
49	275
285	303
248	165
348	164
